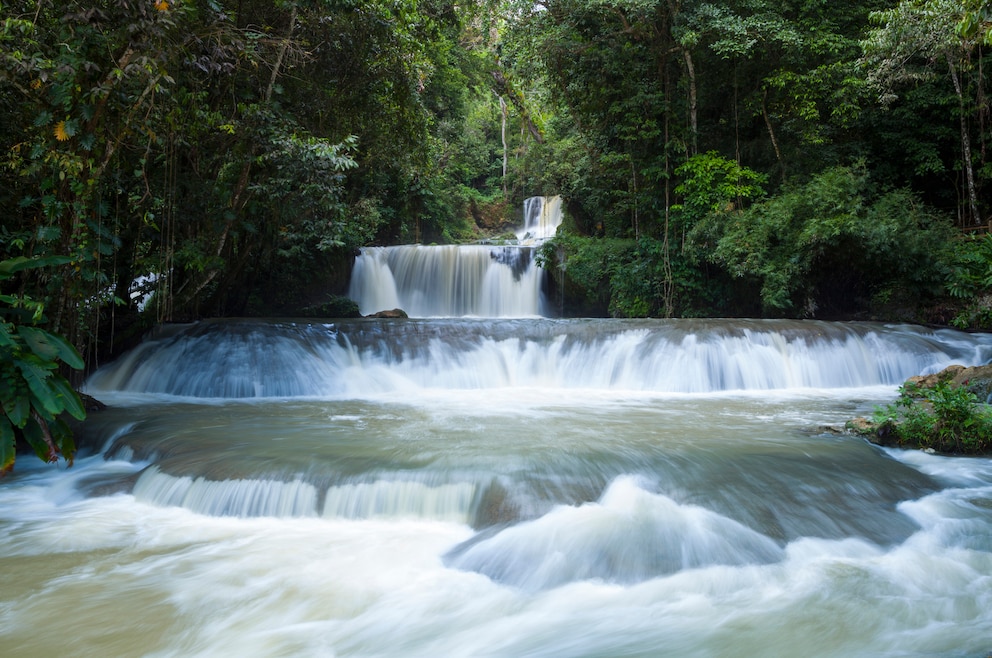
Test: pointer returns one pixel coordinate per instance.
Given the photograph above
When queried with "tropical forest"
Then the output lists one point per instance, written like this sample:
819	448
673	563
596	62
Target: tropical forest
303	382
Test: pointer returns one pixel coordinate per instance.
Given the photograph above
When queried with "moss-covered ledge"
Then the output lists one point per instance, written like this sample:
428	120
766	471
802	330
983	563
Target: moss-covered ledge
946	413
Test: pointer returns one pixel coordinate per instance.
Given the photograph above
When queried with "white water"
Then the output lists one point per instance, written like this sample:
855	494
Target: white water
459	280
542	217
364	357
502	488
448	281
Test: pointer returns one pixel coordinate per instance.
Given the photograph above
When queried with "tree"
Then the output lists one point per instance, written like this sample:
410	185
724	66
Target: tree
828	246
913	38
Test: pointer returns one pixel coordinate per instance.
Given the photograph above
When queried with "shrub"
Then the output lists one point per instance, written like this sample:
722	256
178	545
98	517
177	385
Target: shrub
945	418
33	395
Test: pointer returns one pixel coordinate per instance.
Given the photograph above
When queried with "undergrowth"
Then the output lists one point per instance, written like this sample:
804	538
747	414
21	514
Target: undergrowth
945	418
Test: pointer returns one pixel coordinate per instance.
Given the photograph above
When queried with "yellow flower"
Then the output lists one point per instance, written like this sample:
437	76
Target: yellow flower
60	133
162	5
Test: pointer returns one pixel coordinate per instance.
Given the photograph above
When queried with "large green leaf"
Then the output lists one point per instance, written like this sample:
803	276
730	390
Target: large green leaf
18	410
64	439
35	436
37	378
70	399
7	451
51	346
11	265
6	339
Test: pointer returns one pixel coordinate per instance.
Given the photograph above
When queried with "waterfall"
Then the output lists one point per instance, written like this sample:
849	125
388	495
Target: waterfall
503	487
258	359
542	217
448	281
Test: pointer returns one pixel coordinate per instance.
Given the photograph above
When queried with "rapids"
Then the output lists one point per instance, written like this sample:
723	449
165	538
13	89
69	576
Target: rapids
501	487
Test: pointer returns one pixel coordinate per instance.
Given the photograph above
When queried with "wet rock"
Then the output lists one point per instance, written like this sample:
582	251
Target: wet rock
90	403
395	313
977	379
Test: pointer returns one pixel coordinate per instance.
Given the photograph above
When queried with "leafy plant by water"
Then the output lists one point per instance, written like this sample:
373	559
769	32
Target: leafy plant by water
945	418
33	395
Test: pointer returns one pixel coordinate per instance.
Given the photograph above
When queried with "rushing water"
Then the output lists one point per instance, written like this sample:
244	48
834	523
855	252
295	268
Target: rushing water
502	488
449	281
489	281
542	217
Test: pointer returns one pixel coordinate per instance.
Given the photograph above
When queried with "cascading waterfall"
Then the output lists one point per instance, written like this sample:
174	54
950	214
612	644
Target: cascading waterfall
459	280
352	360
258	359
542	217
503	487
448	281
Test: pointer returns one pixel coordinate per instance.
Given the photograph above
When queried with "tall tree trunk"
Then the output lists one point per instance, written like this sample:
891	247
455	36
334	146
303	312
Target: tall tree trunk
969	172
693	119
771	132
668	285
633	183
502	134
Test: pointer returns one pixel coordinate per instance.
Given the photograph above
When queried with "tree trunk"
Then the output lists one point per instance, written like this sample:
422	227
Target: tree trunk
502	134
969	172
771	132
693	120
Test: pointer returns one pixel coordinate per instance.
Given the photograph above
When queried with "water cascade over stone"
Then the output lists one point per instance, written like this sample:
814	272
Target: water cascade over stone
448	281
502	487
542	217
459	280
260	359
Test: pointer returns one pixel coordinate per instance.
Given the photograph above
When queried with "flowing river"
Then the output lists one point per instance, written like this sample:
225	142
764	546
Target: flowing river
501	487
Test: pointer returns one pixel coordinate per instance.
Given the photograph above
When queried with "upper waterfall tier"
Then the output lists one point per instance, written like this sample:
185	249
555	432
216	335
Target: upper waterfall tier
448	281
356	358
542	217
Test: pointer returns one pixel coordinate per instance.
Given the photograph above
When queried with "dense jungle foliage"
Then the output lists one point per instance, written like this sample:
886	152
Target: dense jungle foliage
176	159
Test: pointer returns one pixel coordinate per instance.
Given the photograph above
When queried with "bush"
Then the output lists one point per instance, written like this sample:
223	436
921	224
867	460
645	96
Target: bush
33	395
946	418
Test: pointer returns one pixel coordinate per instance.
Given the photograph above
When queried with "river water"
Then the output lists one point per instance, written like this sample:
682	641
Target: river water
525	487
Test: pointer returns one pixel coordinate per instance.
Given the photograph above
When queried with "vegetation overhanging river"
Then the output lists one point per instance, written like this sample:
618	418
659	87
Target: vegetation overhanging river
526	487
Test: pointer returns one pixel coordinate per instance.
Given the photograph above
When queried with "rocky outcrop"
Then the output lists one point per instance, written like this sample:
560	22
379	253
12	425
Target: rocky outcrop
977	379
395	313
954	426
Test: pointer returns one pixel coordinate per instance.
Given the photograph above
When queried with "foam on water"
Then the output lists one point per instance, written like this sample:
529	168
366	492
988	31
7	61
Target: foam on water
318	586
257	359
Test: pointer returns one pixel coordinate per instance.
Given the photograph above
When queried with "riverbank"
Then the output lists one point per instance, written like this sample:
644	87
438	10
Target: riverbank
945	412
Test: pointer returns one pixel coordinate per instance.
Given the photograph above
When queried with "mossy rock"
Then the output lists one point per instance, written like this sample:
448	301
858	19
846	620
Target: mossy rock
976	379
335	307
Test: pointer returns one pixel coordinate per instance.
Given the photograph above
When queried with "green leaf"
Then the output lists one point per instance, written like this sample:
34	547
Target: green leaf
35	436
37	379
18	411
19	263
6	339
64	439
51	346
7	447
70	399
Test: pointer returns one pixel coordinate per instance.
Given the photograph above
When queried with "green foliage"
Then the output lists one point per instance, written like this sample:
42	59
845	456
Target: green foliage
335	307
714	184
33	395
945	418
827	243
629	279
585	267
969	280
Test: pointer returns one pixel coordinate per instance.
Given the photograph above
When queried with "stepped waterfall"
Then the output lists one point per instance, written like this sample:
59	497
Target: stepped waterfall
479	480
460	280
